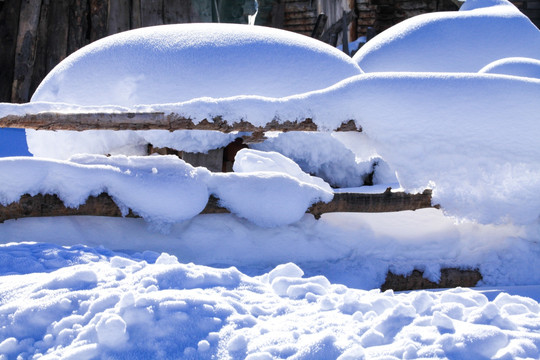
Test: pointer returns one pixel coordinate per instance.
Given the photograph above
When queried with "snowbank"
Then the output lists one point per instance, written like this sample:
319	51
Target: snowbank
515	66
110	305
482	31
165	189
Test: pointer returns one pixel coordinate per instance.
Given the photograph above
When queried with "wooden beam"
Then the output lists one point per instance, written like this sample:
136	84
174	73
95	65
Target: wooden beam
103	205
154	121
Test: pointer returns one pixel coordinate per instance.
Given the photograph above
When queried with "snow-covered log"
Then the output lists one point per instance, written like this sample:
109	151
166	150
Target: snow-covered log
151	121
41	205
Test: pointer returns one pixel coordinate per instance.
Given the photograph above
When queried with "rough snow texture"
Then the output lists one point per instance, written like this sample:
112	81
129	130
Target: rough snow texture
515	66
110	305
165	189
482	31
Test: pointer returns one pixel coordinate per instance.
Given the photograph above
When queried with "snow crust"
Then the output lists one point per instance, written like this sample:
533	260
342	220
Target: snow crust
482	31
112	305
516	66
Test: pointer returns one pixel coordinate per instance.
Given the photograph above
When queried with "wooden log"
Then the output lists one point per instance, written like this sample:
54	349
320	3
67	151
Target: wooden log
151	12
147	121
118	16
9	25
57	32
78	25
450	278
103	205
386	202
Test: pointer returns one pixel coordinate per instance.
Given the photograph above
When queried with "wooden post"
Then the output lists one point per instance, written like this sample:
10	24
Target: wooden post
57	32
319	26
9	25
345	34
135	14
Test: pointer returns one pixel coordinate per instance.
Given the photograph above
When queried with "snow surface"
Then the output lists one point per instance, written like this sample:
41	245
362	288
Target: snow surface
482	31
516	66
300	289
90	303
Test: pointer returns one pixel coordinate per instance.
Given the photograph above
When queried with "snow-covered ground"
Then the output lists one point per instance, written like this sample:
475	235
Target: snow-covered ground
268	281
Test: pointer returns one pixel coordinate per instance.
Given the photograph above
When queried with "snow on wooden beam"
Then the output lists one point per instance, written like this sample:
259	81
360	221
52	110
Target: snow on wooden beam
103	205
151	121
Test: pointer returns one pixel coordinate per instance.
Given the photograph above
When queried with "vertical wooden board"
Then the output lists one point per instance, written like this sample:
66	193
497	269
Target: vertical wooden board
118	16
25	49
151	12
98	19
176	11
135	14
57	32
9	25
40	62
78	25
201	10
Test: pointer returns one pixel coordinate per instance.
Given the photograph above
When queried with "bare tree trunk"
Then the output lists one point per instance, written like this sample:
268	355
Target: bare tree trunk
151	12
118	16
9	24
57	32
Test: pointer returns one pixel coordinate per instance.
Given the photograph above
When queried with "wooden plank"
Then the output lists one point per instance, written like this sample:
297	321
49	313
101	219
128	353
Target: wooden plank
9	26
78	25
41	205
135	14
57	32
319	26
151	12
118	16
146	121
25	50
98	19
177	11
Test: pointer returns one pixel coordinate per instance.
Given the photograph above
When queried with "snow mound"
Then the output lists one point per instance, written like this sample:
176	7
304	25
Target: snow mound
165	189
165	309
268	188
516	66
462	41
174	63
177	63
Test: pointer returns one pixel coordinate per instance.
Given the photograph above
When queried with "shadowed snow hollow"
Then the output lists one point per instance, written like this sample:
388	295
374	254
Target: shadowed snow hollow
464	41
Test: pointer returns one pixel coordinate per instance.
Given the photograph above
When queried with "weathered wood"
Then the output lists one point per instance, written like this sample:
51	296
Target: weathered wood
450	278
151	12
78	25
386	202
147	121
345	33
103	205
40	62
9	24
57	32
135	14
98	19
25	50
118	16
177	11
319	26
330	35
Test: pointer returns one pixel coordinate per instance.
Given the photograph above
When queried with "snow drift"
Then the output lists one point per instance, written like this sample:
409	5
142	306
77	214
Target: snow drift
465	41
